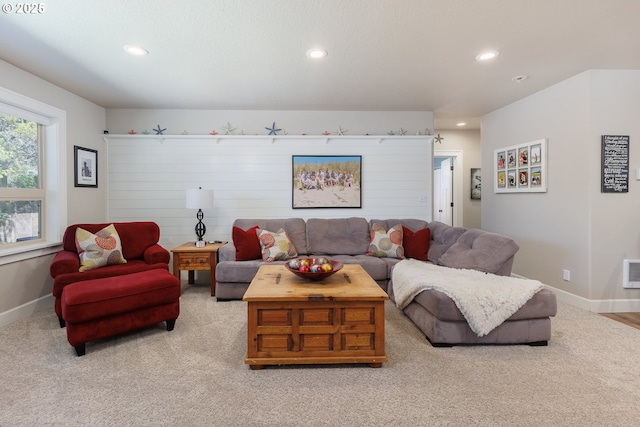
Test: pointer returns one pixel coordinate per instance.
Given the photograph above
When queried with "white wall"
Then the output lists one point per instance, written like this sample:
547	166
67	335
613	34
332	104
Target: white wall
26	282
252	178
572	226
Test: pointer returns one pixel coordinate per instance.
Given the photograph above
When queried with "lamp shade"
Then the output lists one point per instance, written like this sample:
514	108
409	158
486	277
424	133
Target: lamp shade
198	198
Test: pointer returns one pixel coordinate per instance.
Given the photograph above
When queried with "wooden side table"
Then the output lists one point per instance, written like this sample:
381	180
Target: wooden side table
191	258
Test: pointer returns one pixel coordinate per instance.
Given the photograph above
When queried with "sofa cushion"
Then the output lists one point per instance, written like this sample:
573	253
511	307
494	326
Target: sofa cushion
542	304
377	268
276	246
386	243
416	244
240	272
246	243
442	237
98	298
99	249
332	236
295	228
479	250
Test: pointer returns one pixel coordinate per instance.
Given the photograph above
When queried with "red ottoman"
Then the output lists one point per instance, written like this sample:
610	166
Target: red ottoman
99	308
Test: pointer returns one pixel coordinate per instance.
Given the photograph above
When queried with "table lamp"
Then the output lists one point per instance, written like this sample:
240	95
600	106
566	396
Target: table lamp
200	199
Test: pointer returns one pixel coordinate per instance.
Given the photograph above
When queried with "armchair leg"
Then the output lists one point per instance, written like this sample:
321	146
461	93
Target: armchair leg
170	324
62	323
80	349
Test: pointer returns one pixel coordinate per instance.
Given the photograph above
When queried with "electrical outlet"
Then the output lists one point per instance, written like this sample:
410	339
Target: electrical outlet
423	198
566	275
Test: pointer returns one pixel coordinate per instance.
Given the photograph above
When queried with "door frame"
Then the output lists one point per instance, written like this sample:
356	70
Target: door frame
457	161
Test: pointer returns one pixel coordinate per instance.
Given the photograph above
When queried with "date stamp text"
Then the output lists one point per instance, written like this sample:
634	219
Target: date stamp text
23	8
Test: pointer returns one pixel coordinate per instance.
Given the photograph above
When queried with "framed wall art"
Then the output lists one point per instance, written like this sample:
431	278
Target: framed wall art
85	167
476	183
615	164
326	182
521	168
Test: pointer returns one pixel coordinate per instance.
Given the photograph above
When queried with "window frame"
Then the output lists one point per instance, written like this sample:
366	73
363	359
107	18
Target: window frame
52	124
28	194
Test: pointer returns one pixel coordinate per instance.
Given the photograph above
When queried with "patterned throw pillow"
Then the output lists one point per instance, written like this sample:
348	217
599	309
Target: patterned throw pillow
276	246
100	249
386	243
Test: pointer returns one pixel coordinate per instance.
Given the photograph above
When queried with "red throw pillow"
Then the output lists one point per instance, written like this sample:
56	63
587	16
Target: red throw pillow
416	244
246	243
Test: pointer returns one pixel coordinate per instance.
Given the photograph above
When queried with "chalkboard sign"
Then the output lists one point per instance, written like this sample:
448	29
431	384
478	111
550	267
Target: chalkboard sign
615	163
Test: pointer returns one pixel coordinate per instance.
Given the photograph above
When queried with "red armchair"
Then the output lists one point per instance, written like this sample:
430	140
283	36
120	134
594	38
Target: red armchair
139	247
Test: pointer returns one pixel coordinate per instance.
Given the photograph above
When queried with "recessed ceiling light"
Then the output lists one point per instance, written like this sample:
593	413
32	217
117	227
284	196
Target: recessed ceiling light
135	50
520	78
461	124
316	53
485	56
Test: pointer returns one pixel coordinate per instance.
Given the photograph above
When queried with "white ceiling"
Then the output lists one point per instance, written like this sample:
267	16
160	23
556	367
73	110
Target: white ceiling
395	55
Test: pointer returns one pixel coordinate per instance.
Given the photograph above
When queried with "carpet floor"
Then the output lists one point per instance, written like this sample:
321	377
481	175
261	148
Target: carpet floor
195	375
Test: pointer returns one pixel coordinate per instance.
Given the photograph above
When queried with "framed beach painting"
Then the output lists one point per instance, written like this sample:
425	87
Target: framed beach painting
326	182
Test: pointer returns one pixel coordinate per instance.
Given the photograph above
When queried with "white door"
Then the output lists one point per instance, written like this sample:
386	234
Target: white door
437	196
448	187
445	206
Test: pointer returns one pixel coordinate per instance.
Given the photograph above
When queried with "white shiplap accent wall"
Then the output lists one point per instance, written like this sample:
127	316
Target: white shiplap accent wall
251	177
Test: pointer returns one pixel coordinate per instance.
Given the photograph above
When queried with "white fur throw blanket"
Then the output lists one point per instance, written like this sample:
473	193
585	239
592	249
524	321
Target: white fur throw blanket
486	300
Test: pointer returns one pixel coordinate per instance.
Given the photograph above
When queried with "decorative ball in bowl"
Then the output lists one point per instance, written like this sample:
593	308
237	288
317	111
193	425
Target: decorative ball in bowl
313	269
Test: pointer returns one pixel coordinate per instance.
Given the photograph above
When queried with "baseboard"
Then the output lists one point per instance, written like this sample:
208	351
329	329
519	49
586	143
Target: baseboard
572	299
595	306
25	310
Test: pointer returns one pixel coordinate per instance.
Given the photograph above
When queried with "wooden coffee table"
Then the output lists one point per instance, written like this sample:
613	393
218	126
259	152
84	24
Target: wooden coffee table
295	321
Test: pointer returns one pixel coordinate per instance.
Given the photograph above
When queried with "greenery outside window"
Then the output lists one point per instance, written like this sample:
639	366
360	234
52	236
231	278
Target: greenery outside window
21	190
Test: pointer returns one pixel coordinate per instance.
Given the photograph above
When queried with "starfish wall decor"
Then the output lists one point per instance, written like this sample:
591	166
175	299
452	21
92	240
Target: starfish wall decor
228	130
273	130
341	131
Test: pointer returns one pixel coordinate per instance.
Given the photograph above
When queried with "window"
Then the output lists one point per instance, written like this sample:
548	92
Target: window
21	192
32	179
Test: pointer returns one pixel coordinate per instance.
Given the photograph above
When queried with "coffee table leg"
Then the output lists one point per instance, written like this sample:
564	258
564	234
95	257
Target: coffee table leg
375	365
256	367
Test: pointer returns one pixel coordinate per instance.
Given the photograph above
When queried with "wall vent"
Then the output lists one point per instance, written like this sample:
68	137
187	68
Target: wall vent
631	273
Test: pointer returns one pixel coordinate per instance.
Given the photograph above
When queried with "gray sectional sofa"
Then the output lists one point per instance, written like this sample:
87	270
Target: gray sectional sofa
436	315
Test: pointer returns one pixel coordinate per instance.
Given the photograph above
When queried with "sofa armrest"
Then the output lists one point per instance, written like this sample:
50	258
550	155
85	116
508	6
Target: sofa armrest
64	262
227	252
155	254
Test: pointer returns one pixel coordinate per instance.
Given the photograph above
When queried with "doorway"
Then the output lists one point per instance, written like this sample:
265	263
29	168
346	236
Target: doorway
447	187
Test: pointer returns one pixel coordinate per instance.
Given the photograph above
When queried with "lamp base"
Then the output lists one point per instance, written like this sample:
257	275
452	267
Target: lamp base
200	244
200	228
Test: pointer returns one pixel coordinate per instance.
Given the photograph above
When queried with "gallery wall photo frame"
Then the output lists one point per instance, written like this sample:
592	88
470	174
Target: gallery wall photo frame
85	162
326	181
521	168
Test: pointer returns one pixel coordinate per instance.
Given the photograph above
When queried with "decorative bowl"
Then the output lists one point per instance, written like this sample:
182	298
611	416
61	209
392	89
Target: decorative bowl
314	277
